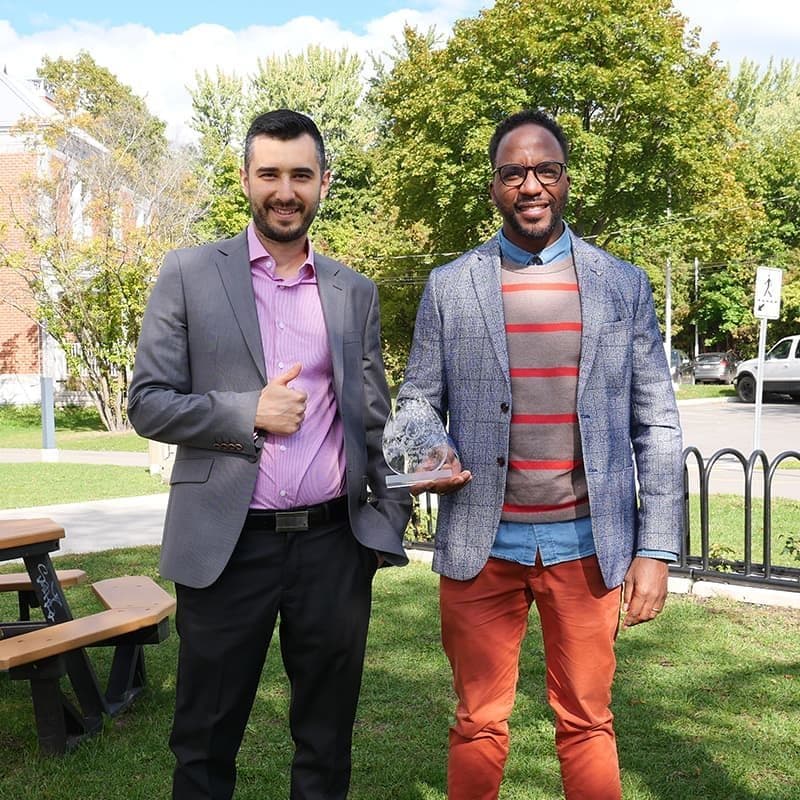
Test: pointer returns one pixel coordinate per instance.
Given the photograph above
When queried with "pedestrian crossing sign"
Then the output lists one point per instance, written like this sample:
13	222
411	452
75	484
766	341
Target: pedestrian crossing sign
768	293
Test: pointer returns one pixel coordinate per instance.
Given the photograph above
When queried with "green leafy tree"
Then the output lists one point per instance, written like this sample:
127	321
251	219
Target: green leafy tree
98	103
644	108
95	223
768	114
655	147
218	103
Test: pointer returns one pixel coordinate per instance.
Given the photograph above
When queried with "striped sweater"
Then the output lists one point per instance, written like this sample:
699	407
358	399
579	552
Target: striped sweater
546	481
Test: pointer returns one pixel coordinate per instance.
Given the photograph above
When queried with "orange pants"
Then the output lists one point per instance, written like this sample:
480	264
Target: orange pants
483	624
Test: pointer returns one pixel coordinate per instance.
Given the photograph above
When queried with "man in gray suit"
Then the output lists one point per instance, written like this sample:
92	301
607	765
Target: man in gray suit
544	355
261	360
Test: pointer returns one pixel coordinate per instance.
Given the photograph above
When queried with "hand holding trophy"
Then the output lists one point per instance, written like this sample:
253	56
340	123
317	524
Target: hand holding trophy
416	446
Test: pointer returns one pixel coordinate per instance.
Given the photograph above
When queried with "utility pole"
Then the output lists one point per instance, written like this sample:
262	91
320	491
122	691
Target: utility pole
668	298
696	300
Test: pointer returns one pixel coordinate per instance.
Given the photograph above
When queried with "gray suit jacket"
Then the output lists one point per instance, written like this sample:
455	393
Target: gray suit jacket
197	379
626	407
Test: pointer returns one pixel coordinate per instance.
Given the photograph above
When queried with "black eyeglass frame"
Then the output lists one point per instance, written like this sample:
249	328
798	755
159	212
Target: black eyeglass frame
534	169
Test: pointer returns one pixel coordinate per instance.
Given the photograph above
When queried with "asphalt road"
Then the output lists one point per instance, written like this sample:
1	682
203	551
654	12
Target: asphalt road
711	427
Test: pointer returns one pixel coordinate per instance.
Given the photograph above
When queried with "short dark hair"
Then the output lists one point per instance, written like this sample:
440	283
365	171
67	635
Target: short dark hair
284	124
527	117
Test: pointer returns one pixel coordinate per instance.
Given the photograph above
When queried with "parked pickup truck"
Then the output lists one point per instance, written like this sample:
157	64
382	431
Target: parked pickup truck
781	371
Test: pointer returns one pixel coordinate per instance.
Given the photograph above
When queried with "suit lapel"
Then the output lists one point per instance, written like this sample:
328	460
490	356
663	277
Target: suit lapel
485	272
333	297
589	268
233	263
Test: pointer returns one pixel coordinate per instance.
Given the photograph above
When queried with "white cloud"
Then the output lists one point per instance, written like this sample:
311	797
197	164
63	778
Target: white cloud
747	29
160	66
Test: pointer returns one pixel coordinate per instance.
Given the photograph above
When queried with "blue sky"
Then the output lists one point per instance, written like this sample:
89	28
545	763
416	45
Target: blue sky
174	17
159	48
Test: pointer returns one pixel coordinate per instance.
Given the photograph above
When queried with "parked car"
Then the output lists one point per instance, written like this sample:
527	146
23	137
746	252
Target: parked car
681	366
781	371
714	367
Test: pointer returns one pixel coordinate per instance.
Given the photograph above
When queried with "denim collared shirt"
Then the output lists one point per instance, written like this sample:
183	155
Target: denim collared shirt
555	542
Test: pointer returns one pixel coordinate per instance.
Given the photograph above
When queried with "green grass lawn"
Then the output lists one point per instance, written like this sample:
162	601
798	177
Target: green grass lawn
76	429
38	484
707	706
688	391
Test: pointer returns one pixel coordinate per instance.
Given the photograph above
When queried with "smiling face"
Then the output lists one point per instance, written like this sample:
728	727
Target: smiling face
532	213
284	185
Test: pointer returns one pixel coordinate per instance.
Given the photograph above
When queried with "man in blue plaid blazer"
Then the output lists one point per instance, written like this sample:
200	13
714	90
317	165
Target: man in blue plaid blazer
616	454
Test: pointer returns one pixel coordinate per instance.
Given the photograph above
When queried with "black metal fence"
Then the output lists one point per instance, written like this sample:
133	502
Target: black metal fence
702	557
758	565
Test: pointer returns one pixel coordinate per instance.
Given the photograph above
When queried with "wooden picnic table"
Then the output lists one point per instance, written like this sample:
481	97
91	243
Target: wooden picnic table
43	651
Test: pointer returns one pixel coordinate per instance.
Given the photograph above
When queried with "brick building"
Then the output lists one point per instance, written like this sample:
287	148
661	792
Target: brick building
26	353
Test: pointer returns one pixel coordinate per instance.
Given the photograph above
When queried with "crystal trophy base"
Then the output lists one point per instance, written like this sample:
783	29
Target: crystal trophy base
410	478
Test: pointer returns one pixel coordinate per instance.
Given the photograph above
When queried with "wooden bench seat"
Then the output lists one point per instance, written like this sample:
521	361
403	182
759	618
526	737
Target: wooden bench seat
21	582
137	611
135	591
141	603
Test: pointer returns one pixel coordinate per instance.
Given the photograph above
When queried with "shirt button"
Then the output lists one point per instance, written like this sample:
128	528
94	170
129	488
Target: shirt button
501	462
282	492
281	325
283	448
504	407
280	365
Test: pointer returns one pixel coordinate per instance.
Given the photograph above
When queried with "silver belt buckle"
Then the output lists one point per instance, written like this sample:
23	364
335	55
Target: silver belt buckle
286	521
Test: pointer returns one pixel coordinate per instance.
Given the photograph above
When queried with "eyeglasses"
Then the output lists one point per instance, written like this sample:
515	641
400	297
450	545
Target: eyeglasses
546	172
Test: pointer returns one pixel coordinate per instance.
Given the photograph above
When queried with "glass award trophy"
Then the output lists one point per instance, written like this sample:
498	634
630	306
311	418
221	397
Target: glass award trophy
415	443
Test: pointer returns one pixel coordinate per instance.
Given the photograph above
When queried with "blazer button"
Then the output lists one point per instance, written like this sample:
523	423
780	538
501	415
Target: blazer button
504	407
501	462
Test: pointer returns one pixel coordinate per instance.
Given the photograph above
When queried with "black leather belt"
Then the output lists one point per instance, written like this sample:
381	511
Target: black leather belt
296	519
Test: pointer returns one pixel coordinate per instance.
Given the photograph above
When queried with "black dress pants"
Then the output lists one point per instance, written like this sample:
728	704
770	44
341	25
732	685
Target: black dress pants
319	582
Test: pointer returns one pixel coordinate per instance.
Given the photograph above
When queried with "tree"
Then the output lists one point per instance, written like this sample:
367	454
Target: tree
96	102
643	106
96	223
768	115
219	117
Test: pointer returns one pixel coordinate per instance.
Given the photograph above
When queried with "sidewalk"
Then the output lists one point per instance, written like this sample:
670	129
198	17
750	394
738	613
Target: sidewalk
102	524
96	524
11	455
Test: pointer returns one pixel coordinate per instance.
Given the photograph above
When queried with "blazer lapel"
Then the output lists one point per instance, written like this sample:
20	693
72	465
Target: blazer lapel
589	268
233	263
333	296
485	272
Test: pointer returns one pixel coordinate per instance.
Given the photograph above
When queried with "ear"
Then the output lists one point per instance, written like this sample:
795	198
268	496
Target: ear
325	185
491	191
244	182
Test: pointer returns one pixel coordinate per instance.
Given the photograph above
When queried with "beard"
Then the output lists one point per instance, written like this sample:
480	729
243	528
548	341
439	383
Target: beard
538	231
283	233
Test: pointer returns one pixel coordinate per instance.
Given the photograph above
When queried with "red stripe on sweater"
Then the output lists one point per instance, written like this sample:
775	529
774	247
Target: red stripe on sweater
544	327
545	372
511	509
530	465
540	287
543	419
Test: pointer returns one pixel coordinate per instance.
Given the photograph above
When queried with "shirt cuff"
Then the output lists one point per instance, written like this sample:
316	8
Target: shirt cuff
661	555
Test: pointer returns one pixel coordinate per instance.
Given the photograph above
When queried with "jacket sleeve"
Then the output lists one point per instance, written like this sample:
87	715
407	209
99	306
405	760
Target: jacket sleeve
162	403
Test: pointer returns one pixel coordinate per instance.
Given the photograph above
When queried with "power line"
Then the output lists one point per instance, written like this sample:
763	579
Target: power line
629	229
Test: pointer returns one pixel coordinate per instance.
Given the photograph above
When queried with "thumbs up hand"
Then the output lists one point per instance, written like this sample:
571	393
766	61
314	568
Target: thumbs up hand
281	409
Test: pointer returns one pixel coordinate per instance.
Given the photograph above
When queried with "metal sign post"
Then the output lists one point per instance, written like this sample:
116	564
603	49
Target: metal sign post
767	305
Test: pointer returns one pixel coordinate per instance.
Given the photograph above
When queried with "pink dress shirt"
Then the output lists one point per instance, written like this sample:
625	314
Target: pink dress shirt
307	467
